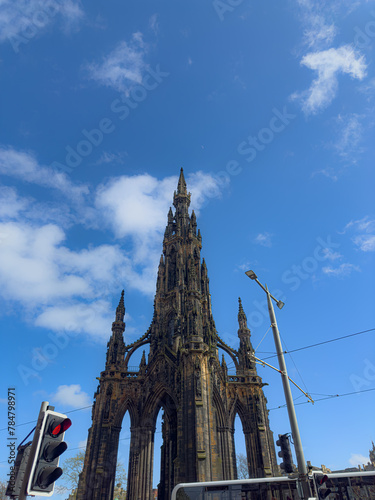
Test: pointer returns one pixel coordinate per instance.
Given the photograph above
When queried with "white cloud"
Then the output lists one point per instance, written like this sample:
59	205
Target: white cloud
107	157
154	23
365	240
318	30
343	270
351	129
29	264
23	165
64	290
330	254
71	395
358	459
10	203
123	67
136	207
50	280
264	239
94	318
327	172
366	243
328	64
27	18
366	224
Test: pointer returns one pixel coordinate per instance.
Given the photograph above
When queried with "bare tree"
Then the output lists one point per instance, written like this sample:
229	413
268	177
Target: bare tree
3	488
242	468
72	468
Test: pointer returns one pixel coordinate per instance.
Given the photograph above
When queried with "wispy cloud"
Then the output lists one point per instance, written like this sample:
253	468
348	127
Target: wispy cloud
108	157
330	254
264	239
329	64
318	30
154	23
327	172
23	165
341	271
26	18
364	238
123	67
350	135
365	242
347	134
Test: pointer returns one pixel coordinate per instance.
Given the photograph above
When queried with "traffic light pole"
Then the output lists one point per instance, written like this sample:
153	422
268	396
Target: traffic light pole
43	409
302	469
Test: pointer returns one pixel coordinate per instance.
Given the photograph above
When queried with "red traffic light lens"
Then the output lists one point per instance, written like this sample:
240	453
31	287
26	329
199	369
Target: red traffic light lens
322	479
61	427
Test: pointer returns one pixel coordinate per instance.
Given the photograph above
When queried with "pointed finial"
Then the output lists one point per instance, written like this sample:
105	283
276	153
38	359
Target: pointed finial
181	187
241	312
223	362
242	319
120	311
143	360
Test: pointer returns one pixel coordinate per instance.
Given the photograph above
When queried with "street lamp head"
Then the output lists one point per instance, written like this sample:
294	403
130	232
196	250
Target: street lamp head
251	275
280	304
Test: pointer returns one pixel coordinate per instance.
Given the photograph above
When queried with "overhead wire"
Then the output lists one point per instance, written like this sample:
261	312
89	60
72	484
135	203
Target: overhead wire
264	336
324	342
295	366
333	396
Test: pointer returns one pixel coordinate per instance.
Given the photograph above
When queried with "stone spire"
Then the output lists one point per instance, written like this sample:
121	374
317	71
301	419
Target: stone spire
183	376
116	344
246	349
182	301
181	198
120	311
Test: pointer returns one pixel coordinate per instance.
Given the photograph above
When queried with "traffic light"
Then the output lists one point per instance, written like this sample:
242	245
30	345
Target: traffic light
285	453
50	445
321	488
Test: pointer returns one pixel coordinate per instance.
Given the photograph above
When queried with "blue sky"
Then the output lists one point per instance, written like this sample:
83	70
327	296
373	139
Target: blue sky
269	109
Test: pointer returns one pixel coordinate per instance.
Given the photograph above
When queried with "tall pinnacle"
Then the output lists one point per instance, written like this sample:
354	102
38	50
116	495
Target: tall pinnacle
181	198
242	320
120	311
181	187
244	358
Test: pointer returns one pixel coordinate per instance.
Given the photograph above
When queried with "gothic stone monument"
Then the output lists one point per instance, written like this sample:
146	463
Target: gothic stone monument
183	375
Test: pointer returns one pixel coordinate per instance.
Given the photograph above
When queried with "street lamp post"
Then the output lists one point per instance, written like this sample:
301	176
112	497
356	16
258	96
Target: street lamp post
302	469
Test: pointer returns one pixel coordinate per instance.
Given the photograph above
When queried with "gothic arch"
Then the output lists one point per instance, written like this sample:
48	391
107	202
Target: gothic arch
133	349
160	397
127	404
228	350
